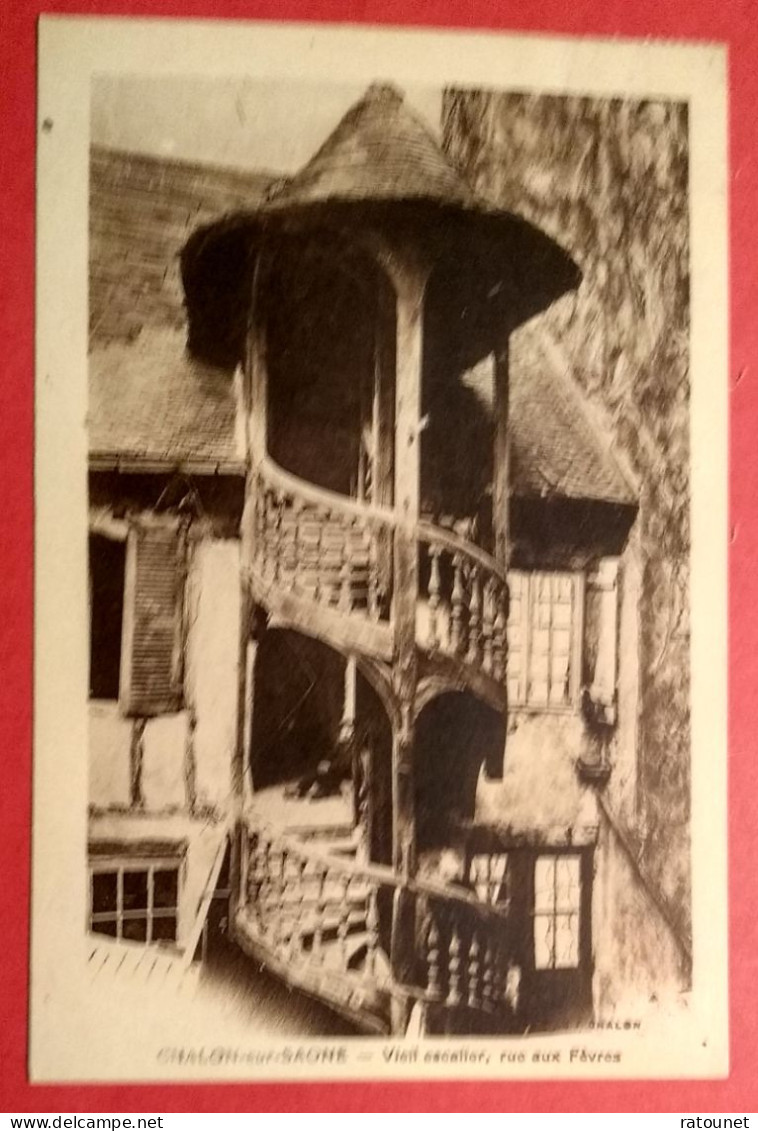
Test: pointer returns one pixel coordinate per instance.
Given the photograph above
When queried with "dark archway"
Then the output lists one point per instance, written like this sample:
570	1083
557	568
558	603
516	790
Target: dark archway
457	443
456	734
304	718
330	348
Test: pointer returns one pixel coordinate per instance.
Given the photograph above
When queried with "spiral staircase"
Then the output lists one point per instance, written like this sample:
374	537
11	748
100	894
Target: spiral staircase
311	907
323	563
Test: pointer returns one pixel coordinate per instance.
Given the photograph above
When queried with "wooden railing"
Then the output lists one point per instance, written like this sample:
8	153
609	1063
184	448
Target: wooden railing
323	546
325	923
463	606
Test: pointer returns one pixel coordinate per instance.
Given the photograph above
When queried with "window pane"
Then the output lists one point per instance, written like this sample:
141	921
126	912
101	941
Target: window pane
107	559
135	891
488	875
104	891
164	928
135	930
548	646
566	941
165	887
562	615
544	883
560	642
544	942
567	883
109	927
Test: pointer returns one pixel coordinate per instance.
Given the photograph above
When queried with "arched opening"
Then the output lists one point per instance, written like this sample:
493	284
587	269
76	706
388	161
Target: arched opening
330	348
321	742
456	734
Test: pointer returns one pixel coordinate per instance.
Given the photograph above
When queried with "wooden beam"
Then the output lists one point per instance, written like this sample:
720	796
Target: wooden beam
502	455
410	283
256	369
407	472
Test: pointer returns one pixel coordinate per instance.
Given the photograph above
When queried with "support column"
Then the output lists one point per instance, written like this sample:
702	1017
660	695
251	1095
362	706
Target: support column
256	383
410	284
384	400
403	939
242	785
347	735
255	398
501	468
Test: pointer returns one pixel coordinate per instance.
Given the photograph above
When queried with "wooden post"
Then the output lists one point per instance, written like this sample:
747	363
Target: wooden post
255	398
383	400
246	769
256	377
410	281
347	742
500	480
403	937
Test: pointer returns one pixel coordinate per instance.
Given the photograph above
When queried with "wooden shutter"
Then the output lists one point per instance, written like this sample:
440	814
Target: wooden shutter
152	651
601	638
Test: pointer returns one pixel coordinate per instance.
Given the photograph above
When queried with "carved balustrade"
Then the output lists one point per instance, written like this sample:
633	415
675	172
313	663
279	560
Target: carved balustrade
325	563
333	551
322	921
463	606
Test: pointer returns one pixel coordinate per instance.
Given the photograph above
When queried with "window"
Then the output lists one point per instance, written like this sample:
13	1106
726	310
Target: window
557	903
545	639
107	564
136	614
135	899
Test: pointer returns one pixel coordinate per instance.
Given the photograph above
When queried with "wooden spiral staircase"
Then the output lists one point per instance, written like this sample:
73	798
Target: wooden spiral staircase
323	563
322	921
314	913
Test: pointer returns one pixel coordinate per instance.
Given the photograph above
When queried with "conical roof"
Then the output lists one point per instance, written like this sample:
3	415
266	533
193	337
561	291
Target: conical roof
380	151
380	167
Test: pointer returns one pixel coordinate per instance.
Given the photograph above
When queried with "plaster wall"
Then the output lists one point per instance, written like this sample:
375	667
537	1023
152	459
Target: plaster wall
186	757
214	598
540	799
110	736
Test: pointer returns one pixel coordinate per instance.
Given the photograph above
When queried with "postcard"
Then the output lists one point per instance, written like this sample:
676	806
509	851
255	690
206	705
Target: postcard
380	580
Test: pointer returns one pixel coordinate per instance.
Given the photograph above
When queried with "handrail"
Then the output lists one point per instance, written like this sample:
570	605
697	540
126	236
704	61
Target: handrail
381	874
276	476
456	544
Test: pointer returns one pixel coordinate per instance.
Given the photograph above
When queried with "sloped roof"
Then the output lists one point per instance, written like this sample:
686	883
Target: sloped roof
382	168
380	150
142	211
151	401
557	448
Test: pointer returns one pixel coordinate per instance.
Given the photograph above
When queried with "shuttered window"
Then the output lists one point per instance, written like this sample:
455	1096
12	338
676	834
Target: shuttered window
151	656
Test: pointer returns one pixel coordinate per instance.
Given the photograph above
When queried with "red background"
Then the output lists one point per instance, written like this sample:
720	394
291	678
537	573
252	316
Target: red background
729	21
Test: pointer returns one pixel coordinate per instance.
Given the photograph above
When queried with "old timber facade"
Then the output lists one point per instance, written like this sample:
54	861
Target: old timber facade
363	655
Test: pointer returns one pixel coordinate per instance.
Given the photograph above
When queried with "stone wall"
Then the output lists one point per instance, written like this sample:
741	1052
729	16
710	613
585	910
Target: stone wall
608	180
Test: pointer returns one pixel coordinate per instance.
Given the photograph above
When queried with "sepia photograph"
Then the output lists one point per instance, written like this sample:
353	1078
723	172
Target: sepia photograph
383	575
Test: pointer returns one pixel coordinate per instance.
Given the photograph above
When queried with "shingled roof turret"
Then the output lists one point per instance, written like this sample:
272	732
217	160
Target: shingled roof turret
380	167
